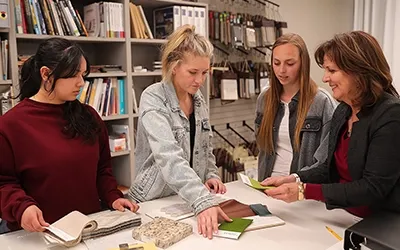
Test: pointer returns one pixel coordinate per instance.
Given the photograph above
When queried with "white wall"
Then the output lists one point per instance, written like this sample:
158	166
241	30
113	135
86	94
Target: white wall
317	21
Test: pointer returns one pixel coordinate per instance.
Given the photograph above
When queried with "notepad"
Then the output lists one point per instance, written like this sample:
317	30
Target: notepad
233	230
253	183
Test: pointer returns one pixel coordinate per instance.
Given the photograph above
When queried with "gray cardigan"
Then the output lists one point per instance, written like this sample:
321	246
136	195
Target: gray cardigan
314	136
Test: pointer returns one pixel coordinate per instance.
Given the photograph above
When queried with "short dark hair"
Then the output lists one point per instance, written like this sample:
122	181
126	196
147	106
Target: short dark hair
359	54
63	58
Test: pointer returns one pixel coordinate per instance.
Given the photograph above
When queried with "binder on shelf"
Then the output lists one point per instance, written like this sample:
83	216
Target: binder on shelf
166	20
4	14
184	15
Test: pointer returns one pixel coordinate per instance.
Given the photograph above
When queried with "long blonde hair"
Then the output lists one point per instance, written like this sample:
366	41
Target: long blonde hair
308	90
181	41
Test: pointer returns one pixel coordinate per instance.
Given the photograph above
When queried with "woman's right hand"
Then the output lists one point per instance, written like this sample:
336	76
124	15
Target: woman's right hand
207	221
32	219
276	181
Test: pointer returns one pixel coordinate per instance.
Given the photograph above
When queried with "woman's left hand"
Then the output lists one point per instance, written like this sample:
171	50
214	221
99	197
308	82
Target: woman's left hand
121	203
215	185
288	192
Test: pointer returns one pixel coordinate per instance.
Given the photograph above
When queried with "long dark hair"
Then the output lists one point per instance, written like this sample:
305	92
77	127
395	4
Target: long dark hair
63	58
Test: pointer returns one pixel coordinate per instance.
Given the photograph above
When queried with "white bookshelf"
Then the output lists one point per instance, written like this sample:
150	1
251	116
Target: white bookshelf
151	73
115	117
126	52
5	82
147	41
72	38
120	153
103	75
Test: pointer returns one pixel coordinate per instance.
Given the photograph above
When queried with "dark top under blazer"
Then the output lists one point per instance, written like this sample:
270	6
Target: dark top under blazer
373	159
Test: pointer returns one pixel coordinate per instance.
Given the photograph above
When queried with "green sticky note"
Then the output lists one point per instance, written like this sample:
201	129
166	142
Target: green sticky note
253	183
257	185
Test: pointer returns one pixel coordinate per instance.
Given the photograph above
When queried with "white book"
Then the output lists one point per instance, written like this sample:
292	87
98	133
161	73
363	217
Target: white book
184	15
196	14
70	20
91	19
121	20
56	18
203	21
260	222
190	15
135	106
177	17
146	24
99	91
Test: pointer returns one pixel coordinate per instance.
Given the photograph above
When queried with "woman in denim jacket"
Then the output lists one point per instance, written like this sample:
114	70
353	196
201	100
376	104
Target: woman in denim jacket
293	116
174	153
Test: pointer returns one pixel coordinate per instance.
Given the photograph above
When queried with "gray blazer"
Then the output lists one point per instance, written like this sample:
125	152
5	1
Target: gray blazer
162	151
314	136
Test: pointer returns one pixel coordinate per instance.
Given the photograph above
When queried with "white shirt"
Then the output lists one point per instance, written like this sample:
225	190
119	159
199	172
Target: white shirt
284	150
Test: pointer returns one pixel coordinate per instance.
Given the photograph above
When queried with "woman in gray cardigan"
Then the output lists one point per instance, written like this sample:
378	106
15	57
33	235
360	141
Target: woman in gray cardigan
292	115
361	173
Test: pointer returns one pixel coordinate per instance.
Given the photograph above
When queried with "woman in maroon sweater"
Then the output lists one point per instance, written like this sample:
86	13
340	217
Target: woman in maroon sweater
362	171
55	156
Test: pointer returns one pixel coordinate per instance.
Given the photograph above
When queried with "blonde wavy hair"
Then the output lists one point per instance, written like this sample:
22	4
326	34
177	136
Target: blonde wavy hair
182	41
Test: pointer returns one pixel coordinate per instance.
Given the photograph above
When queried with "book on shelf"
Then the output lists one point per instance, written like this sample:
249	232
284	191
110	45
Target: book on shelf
5	102
135	105
123	132
168	19
60	17
4	14
105	95
105	68
3	59
139	26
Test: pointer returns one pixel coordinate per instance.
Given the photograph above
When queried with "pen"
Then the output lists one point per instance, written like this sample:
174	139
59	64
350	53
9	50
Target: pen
333	233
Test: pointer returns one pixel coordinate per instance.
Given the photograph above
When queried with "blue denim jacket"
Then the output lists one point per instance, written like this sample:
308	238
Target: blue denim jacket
162	152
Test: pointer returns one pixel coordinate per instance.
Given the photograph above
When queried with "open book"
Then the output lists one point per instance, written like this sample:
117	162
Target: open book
75	226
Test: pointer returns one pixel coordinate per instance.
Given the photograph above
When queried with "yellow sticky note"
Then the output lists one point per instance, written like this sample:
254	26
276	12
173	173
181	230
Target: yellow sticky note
141	246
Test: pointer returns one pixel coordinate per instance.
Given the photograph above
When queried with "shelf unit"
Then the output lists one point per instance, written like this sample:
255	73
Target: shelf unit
6	84
127	52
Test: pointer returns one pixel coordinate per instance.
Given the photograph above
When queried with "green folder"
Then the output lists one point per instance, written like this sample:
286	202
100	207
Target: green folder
234	229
